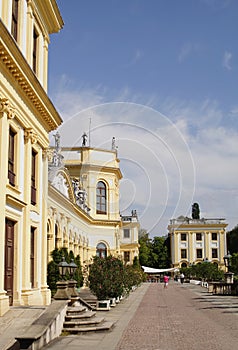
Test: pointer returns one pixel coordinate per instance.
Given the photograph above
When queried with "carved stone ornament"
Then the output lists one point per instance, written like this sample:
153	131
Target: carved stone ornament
29	134
6	107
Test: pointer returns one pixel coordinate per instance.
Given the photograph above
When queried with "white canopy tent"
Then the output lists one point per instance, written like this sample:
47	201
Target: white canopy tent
152	270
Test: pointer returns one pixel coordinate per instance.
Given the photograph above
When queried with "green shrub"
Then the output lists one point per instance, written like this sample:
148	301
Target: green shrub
53	275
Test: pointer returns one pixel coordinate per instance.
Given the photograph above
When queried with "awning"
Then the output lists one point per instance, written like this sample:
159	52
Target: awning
152	270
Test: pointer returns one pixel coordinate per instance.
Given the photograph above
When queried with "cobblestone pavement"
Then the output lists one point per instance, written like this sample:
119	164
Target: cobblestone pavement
182	317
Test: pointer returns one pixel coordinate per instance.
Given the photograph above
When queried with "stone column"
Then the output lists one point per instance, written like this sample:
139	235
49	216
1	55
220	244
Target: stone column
30	138
6	112
45	291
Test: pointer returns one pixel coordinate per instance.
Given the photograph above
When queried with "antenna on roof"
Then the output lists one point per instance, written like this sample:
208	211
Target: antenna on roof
89	132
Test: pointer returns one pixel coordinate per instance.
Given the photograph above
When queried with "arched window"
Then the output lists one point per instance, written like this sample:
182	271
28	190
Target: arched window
101	250
101	199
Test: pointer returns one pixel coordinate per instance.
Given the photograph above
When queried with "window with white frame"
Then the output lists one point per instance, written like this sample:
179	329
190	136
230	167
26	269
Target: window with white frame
101	198
126	233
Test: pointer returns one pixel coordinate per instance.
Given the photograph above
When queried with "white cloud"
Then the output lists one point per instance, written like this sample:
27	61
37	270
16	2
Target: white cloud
227	57
187	50
137	56
167	162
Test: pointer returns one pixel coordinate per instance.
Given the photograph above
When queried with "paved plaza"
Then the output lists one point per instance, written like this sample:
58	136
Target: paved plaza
182	317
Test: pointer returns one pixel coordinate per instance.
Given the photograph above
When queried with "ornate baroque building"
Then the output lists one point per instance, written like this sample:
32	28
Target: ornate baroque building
196	240
83	199
78	207
26	118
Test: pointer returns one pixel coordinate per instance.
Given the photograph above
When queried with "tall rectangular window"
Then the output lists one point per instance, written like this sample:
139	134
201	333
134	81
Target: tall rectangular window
126	233
35	48
199	253
214	253
214	236
183	236
32	257
183	253
14	27
198	236
11	157
33	177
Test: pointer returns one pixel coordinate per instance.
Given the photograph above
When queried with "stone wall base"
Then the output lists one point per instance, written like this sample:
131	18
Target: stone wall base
4	303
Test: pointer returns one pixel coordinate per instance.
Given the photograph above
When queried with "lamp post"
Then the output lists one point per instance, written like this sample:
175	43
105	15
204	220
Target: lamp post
227	261
72	268
62	286
228	275
63	268
72	283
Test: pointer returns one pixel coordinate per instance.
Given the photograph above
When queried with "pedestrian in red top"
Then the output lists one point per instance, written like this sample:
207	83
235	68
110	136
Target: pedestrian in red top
166	281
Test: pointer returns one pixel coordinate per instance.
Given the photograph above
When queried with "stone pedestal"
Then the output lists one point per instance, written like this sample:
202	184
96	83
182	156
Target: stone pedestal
72	289
229	277
62	291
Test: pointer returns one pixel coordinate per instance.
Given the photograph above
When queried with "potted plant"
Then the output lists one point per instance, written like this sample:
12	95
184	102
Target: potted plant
106	279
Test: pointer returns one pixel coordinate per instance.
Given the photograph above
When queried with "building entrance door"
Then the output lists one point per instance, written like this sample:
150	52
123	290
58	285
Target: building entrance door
9	259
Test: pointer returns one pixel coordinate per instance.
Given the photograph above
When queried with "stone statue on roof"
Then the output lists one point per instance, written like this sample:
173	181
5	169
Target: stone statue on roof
84	137
195	211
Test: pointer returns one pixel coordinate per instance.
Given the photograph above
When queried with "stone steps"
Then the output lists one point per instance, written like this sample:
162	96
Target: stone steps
105	326
82	316
71	310
79	319
90	322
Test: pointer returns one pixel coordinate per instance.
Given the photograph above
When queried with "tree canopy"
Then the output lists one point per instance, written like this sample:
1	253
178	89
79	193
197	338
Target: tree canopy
154	252
232	240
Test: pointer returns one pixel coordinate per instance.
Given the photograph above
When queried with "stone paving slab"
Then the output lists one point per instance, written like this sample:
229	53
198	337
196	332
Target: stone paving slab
16	321
181	318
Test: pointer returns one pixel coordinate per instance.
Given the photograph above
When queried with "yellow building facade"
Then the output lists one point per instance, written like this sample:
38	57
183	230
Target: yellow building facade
196	240
26	118
129	247
83	204
49	197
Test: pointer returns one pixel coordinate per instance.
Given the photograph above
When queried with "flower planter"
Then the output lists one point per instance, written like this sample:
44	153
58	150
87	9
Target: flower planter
103	305
113	302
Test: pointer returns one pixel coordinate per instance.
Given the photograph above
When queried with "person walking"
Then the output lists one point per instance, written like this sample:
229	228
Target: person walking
182	278
166	281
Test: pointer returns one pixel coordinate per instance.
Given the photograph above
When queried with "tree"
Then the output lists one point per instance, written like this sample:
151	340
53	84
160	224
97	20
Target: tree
234	263
154	253
205	271
232	240
159	253
144	250
106	277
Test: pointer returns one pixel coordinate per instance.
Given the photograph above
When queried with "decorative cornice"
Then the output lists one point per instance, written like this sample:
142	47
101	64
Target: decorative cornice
7	108
15	202
29	134
14	61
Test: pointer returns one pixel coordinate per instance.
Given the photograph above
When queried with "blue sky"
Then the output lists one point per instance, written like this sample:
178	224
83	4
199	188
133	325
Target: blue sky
160	76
